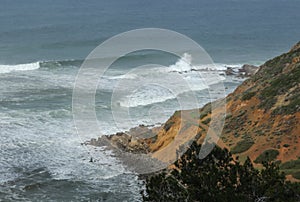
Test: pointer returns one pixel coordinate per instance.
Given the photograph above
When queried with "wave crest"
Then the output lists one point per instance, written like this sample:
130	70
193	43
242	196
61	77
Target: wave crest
20	67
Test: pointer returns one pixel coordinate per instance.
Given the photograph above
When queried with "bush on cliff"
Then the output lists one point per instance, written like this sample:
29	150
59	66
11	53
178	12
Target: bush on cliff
219	177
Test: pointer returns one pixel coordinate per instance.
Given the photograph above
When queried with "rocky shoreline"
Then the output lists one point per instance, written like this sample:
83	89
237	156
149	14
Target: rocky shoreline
139	139
138	144
243	72
132	148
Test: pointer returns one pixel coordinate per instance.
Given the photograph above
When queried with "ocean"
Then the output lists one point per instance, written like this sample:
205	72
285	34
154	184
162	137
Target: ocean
44	43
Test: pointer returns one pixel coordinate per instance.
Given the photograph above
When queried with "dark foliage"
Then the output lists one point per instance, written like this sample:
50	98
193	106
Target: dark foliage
168	125
219	177
247	96
267	155
242	146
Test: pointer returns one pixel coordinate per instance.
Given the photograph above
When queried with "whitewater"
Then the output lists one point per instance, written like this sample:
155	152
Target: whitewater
40	149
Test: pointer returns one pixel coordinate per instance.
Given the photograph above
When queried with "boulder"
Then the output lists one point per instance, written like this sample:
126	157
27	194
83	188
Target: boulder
248	70
230	71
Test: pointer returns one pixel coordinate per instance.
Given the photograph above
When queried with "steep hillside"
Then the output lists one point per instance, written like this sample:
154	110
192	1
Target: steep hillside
263	114
262	118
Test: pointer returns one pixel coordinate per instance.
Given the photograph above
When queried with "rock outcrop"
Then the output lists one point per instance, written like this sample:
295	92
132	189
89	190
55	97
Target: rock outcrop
248	70
245	71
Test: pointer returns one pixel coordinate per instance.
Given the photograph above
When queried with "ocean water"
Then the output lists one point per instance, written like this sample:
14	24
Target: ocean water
42	46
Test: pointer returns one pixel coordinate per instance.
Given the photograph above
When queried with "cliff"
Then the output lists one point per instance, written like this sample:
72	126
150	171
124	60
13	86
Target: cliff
262	120
262	116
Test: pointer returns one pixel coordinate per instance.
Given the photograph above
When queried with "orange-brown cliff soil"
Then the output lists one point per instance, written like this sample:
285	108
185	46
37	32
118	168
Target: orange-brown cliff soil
262	117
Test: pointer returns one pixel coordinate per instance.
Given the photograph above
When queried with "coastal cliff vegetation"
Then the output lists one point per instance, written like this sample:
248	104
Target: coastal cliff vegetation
258	154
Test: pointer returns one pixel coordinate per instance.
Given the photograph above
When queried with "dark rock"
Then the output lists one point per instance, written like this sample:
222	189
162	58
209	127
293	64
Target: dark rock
248	70
230	71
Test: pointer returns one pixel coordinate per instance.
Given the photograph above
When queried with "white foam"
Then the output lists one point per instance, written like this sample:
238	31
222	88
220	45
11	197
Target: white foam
183	64
125	76
182	76
216	67
182	67
146	96
20	67
152	95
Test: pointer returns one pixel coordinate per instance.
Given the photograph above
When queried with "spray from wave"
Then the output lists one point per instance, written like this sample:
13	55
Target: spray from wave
182	76
184	65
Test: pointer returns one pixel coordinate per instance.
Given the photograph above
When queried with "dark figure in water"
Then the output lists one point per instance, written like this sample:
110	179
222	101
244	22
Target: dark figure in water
91	160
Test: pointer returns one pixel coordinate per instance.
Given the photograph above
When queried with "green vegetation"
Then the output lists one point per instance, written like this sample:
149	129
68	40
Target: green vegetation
242	146
228	115
277	83
177	113
242	113
291	168
267	155
247	96
236	135
293	164
202	115
205	110
291	108
296	175
218	177
206	121
278	86
275	66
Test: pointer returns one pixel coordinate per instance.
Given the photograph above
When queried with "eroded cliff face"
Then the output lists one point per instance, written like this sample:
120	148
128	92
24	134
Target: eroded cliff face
265	111
262	117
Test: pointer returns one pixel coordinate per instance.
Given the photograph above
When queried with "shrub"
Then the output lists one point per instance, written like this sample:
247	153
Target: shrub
205	110
218	177
242	146
267	155
202	115
206	121
296	175
247	96
293	164
177	113
228	116
278	86
236	135
291	108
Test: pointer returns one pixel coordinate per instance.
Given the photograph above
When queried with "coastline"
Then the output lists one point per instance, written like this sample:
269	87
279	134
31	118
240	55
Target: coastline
144	144
250	130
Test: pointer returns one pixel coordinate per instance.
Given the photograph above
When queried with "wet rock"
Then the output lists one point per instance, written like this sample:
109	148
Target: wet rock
245	71
230	71
248	70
